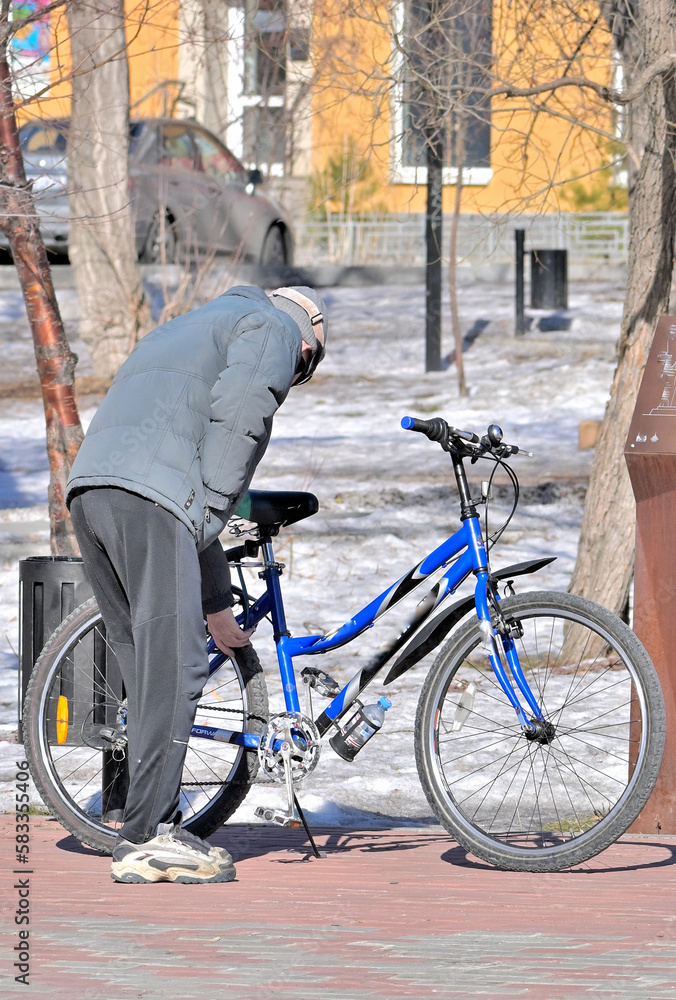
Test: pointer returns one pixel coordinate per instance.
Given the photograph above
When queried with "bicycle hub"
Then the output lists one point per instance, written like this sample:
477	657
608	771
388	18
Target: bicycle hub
540	731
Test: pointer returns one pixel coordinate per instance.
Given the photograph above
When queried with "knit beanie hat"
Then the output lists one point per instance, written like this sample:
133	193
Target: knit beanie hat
311	318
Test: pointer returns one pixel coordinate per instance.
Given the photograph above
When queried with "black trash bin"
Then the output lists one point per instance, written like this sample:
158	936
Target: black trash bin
50	587
549	279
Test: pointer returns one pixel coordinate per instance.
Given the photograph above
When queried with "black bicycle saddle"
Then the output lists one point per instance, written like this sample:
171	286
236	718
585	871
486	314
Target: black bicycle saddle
276	509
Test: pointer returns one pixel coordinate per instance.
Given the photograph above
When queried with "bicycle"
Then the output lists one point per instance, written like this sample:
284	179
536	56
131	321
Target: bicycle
539	731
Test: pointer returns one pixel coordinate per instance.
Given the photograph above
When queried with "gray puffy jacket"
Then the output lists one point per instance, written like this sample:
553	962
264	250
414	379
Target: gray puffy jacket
189	414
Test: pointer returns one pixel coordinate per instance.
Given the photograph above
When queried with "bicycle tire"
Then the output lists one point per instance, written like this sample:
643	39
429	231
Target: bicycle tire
80	781
521	804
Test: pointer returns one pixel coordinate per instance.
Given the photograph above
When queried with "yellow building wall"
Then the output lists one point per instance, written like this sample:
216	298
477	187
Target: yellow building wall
534	157
152	40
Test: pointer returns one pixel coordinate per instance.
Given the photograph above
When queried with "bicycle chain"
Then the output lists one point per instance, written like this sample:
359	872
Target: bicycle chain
218	708
201	784
214	708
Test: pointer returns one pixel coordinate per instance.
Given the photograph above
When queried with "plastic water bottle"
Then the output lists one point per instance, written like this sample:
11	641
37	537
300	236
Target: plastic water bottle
361	727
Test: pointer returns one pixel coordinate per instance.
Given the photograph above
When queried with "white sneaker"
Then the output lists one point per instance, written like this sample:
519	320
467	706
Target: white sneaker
173	855
180	833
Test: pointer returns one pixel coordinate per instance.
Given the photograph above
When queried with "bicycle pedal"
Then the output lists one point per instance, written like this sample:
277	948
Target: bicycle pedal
322	682
276	816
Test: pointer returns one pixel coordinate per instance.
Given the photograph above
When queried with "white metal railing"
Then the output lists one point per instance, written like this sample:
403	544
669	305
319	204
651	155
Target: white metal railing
400	240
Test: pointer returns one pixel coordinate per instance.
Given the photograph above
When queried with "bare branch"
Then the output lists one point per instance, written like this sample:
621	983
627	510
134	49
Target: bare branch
665	64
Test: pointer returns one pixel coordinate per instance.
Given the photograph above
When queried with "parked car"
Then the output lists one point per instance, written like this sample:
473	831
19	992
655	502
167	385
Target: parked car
189	193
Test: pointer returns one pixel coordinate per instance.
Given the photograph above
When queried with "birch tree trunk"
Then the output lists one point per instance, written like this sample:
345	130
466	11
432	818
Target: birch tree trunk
203	60
55	362
113	310
605	553
216	109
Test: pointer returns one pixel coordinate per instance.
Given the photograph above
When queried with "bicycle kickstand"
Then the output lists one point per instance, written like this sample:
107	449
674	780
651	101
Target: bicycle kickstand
308	832
289	818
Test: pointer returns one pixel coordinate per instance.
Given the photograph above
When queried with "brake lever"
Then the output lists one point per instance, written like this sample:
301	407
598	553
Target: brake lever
500	452
468	449
512	449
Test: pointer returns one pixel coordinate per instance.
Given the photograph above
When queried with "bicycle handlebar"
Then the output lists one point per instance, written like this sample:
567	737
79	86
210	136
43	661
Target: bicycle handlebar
438	430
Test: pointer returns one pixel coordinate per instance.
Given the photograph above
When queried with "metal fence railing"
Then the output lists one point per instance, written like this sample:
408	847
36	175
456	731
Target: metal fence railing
400	240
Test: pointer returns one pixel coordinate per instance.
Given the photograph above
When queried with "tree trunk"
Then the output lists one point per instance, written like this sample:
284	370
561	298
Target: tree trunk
203	61
216	110
433	234
605	553
113	310
453	255
621	16
55	362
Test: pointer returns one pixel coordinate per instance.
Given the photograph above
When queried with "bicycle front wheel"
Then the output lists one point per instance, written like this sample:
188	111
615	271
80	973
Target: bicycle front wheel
547	803
75	734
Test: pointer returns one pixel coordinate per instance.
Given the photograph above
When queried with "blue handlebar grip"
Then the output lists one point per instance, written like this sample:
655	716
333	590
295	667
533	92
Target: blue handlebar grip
408	423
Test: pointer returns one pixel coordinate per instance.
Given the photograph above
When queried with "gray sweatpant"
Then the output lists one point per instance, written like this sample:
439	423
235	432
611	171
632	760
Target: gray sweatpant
144	569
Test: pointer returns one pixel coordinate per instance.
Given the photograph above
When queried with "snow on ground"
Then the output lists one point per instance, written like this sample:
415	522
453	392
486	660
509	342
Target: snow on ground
385	496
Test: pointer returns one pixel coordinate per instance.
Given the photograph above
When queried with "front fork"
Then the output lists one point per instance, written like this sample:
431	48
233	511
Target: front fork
493	640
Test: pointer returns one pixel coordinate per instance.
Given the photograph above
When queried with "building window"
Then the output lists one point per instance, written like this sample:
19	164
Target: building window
257	65
265	48
299	44
447	50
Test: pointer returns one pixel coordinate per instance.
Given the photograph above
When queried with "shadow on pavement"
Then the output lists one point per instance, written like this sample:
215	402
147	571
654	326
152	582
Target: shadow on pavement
256	841
664	862
72	845
459	857
246	842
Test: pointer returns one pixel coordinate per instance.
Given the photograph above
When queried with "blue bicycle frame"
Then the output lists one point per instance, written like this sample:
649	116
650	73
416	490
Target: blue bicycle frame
466	553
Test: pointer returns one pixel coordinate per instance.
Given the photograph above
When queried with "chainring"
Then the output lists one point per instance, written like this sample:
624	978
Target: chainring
302	736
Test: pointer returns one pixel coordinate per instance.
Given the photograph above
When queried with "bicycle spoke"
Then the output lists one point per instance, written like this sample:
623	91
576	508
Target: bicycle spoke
624	758
490	782
598	694
590	767
568	795
537	789
507	791
602	797
472	752
490	728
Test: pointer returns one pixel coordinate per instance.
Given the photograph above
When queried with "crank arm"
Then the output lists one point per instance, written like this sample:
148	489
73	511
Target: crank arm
288	818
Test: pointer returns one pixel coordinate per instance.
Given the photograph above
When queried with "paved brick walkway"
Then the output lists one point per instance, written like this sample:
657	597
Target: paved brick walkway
387	914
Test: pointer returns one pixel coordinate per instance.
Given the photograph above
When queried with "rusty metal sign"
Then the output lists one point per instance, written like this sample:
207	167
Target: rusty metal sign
653	426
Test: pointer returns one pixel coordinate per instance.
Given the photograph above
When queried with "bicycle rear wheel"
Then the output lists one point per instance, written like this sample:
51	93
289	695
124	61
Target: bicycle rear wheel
75	737
542	804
